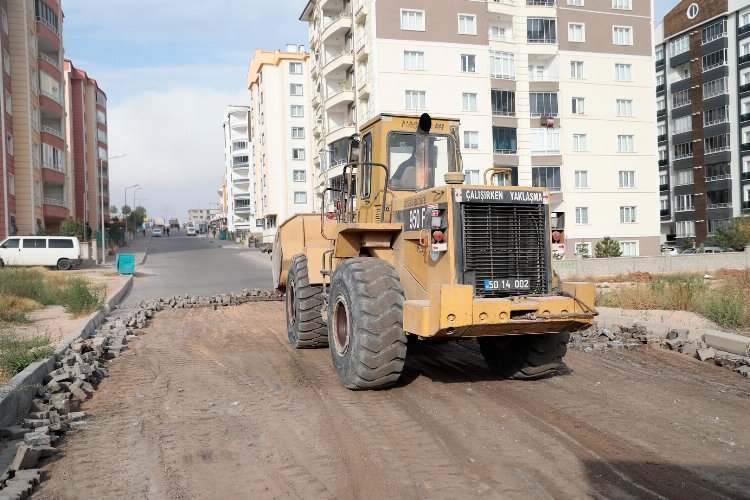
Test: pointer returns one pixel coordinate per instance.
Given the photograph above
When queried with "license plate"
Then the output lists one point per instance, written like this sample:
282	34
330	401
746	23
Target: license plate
507	284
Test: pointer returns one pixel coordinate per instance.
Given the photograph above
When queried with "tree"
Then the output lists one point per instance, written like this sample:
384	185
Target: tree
72	227
113	209
735	235
607	248
126	210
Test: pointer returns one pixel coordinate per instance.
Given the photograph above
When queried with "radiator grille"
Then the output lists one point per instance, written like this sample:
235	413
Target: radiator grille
505	241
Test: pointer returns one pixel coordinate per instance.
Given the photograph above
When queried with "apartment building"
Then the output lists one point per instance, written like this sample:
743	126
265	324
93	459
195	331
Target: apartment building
238	193
559	92
8	223
280	123
703	106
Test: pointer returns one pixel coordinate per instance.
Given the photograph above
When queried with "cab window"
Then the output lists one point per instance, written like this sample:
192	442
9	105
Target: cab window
11	243
34	243
415	163
366	170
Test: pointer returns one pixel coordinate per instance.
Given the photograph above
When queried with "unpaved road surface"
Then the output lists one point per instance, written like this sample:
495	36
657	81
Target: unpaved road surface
216	404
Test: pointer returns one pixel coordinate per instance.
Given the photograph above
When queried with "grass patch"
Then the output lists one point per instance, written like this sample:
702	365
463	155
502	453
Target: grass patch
81	297
16	354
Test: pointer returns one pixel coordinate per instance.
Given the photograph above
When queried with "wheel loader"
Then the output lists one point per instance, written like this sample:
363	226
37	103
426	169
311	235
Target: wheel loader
403	248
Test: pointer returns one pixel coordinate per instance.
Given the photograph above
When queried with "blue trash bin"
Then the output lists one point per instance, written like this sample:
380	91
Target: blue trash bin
125	263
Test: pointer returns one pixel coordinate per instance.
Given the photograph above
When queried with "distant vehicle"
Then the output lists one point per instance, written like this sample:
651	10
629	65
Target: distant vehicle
62	252
190	231
710	250
159	221
156	232
669	250
174	223
689	250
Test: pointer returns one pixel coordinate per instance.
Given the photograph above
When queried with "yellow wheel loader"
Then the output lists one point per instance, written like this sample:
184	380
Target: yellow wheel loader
402	247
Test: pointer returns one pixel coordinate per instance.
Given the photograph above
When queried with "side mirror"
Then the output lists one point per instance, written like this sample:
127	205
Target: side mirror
353	153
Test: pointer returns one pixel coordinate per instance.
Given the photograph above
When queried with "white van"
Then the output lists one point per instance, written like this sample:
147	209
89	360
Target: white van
62	252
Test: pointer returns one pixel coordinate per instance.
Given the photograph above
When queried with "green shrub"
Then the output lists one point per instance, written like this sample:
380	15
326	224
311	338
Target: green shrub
73	227
607	248
16	354
727	307
82	297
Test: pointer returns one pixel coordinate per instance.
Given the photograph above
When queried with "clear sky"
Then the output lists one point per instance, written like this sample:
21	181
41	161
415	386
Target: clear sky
170	68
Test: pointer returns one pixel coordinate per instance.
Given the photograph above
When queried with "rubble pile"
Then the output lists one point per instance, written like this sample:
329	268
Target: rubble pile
79	369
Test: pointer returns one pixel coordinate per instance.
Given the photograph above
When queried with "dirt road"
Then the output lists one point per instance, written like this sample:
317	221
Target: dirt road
216	404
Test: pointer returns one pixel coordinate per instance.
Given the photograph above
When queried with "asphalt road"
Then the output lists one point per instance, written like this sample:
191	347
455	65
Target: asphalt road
195	265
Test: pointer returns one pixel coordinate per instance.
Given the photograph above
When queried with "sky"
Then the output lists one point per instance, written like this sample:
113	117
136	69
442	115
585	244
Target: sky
170	68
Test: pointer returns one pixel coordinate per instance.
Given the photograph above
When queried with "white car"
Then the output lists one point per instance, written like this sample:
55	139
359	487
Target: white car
62	252
190	231
156	232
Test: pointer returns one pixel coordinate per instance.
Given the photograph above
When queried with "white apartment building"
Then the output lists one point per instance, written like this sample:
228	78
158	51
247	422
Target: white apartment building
239	167
560	92
280	137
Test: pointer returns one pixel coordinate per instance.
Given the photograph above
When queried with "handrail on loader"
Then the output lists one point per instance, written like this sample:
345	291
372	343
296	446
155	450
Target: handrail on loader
495	171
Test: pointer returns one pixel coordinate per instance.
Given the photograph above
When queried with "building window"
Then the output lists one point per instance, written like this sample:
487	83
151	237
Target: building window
299	176
582	215
502	65
622	35
659	53
682	124
580	142
297	110
578	105
541	30
581	178
300	197
624	107
8	103
717	143
714	59
627	215
468	63
629	248
622	4
543	103
295	68
718	171
6	62
101	135
9	144
504	140
298	133
5	21
11	184
685	229
467	24
715	87
545	140
721	198
471	139
684	150
576	3
716	115
625	143
548	177
412	20
413	60
101	117
503	102
679	45
416	99
298	154
576	32
295	89
472	178
663	155
627	178
37	155
714	31
576	69
624	72
680	98
468	101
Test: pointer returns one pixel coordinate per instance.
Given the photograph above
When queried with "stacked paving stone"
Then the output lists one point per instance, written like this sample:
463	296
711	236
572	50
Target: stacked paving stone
79	370
632	337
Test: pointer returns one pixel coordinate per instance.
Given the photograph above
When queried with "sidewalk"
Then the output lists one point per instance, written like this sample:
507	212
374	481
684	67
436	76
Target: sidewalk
137	246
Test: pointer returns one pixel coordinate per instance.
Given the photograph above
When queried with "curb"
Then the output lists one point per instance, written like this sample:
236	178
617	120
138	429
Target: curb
145	252
19	391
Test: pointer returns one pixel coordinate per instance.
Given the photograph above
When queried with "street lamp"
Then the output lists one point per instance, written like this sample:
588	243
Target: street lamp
126	203
133	208
101	203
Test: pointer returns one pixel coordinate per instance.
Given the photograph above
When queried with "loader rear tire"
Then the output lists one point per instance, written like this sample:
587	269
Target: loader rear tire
525	357
304	323
365	324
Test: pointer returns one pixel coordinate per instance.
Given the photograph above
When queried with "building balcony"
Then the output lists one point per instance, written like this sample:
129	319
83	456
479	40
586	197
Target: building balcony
243	209
48	31
316	100
338	61
340	131
237	180
661	138
339	98
745	176
745	87
50	65
55	209
744	117
663	187
661	112
363	47
337	25
743	59
713	206
746	205
53	174
664	212
361	9
745	146
541	3
663	163
51	103
660	63
240	165
660	88
743	29
721	177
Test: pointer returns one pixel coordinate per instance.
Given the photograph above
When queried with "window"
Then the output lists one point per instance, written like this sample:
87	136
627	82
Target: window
659	80
101	135
717	143
295	68
622	4
412	20
5	21
715	59
8	103
300	197
240	160
625	143
624	107
576	32
468	101
718	171
298	133
624	72
545	140
502	65
745	49
11	184
467	24
101	117
680	98
9	144
629	248
548	177
102	153
6	62
659	54
622	35
472	178
716	115
413	60
297	110
714	31
468	63
299	175
50	87
683	124
37	155
715	87
627	215
580	142
679	45
295	89
684	150
53	157
415	99
61	243
721	198
541	30
685	229
578	105
581	178
504	140
45	13
471	139
503	102
576	69
627	178
683	203
663	155
543	103
582	215
577	3
298	154
683	177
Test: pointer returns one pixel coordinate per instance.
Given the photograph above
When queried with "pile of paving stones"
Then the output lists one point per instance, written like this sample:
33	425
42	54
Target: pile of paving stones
632	337
79	370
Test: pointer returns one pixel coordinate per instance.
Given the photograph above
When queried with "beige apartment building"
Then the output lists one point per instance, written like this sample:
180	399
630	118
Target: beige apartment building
560	92
280	149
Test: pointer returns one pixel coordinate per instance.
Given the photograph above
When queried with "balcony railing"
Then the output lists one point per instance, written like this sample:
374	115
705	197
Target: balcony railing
327	21
718	177
661	112
720	205
541	40
336	127
47	58
744	117
542	3
48	24
746	205
48	164
660	88
659	62
744	58
543	78
745	176
52	95
505	2
745	147
717	149
498	112
55	201
504	151
53	131
501	38
336	55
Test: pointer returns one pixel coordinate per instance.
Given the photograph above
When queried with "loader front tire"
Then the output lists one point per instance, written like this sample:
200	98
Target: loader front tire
365	324
304	323
525	357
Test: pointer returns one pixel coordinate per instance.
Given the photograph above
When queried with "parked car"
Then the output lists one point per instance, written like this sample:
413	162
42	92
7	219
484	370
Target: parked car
669	250
710	250
62	252
689	250
156	232
190	231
